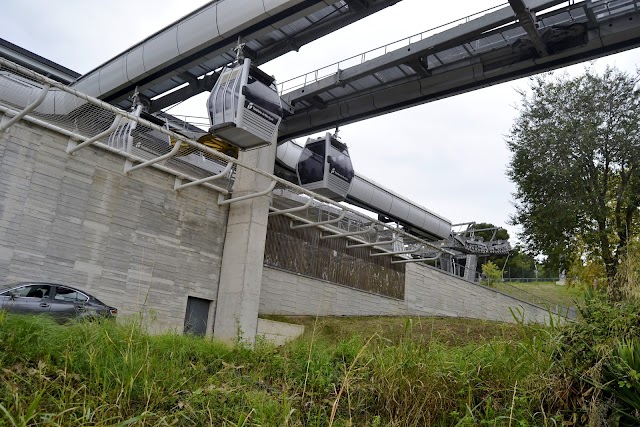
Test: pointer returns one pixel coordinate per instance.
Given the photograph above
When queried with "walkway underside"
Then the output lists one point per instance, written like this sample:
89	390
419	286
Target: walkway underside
475	54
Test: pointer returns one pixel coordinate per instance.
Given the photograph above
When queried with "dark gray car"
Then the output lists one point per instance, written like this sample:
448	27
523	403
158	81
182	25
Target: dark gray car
59	301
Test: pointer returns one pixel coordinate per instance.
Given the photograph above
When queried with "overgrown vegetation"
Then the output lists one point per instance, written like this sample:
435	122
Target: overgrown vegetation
342	372
108	374
596	356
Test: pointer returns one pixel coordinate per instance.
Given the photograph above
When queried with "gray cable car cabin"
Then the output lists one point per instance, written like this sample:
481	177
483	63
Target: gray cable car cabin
244	106
325	167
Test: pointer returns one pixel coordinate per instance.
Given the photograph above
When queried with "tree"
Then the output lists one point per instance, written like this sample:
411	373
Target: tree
576	162
520	264
485	230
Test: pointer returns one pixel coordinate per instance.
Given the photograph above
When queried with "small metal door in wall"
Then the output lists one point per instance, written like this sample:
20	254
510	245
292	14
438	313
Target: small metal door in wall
195	320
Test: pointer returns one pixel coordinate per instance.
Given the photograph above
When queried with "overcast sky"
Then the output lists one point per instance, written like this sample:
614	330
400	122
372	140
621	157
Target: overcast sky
449	155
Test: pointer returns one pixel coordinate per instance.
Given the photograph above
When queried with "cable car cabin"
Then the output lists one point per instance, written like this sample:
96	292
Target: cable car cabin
325	167
244	106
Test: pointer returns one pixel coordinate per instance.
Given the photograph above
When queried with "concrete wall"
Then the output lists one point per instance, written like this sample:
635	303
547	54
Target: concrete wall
435	292
428	292
292	294
138	245
278	333
131	241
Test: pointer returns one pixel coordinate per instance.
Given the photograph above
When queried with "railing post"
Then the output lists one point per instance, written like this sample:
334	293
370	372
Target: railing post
116	122
28	109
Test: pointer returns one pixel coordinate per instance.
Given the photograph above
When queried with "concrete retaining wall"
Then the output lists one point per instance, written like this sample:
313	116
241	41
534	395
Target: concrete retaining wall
278	333
428	292
131	241
138	245
437	293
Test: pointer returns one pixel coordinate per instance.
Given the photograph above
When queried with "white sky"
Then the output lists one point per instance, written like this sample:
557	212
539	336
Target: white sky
449	155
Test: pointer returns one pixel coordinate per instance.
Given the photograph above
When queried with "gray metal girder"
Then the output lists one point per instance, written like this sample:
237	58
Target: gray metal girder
449	38
612	35
528	20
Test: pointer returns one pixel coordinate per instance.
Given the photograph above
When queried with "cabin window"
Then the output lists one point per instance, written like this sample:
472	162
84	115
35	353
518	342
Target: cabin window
311	163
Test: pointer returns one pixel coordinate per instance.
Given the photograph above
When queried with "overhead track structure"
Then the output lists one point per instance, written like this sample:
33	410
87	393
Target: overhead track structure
501	44
178	61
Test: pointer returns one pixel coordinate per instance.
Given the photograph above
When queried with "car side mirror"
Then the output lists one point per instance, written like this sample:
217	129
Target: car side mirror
12	295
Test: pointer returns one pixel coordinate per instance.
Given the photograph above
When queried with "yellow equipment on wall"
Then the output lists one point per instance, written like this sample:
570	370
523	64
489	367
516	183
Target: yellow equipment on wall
212	142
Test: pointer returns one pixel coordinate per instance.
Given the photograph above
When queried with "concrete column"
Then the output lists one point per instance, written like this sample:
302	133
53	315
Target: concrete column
445	263
470	268
243	255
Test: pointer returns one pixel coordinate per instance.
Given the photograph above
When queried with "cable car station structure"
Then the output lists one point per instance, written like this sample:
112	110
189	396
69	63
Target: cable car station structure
273	185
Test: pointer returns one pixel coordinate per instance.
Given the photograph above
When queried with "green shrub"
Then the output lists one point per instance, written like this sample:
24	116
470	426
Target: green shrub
621	377
584	344
587	359
492	273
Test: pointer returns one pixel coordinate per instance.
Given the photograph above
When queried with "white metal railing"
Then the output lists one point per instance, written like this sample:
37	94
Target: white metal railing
89	121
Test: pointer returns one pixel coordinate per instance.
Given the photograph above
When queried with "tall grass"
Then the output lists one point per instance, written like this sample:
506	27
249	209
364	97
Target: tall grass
99	374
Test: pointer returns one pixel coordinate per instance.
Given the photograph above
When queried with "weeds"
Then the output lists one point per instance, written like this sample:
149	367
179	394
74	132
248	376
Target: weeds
86	374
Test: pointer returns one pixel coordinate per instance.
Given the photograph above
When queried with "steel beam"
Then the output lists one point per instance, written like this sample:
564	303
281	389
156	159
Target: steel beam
292	43
438	42
195	87
528	21
615	34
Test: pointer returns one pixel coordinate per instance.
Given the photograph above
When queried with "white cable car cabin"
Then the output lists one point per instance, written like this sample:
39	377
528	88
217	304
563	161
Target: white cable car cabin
325	167
244	106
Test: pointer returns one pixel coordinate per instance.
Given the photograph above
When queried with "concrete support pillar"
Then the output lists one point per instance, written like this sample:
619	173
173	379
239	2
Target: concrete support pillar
470	268
243	255
445	263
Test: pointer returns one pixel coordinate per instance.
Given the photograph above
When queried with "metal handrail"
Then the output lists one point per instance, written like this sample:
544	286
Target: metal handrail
315	224
364	54
248	196
173	152
28	109
225	171
412	251
77	137
152	126
368	245
116	122
286	211
350	233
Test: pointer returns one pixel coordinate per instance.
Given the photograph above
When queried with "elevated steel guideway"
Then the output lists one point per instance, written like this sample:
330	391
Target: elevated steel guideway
518	39
179	61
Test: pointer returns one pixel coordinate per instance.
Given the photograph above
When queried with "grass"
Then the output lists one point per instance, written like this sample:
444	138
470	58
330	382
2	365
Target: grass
549	291
446	331
385	372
